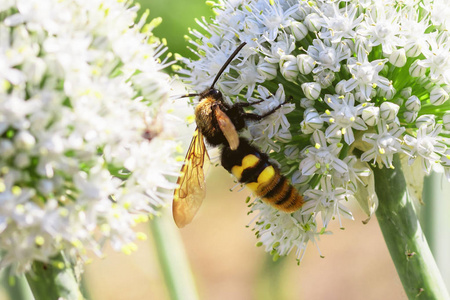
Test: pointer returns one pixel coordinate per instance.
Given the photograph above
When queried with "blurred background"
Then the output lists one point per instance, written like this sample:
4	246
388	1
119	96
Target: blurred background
177	17
221	251
226	264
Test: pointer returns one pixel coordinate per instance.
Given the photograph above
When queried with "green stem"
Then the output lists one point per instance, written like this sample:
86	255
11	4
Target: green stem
271	280
53	281
404	237
173	259
16	287
428	212
435	221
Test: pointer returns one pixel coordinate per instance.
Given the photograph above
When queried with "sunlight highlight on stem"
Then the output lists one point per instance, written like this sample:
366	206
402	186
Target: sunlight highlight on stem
404	237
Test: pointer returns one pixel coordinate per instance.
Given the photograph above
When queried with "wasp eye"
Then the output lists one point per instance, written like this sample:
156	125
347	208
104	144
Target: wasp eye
215	93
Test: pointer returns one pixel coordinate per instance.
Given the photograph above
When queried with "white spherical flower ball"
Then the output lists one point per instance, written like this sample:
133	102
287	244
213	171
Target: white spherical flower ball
368	71
80	84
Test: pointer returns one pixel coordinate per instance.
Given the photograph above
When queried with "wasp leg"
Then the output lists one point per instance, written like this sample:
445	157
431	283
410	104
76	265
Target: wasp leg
246	104
255	117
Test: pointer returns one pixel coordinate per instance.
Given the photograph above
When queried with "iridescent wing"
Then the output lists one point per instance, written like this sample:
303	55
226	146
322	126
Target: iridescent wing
227	128
191	190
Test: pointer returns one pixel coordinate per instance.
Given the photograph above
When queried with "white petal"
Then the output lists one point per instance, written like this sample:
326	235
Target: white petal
350	85
349	138
359	124
340	166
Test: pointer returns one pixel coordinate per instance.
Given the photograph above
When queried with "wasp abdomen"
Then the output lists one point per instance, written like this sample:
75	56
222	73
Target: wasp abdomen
254	169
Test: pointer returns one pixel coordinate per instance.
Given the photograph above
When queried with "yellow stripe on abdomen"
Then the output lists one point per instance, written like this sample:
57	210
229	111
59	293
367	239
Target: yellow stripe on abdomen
248	161
264	178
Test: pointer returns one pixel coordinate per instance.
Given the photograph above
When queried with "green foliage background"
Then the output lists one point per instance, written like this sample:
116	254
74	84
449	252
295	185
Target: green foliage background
177	16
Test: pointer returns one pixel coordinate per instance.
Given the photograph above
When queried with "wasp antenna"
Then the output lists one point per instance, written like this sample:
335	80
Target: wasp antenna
184	96
225	65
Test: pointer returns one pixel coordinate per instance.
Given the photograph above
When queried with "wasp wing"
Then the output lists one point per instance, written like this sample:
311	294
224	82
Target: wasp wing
227	128
191	190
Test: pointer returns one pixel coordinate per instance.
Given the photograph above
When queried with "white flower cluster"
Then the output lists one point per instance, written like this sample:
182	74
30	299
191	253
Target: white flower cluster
369	79
85	148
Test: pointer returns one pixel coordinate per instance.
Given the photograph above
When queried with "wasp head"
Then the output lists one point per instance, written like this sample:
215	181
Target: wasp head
212	93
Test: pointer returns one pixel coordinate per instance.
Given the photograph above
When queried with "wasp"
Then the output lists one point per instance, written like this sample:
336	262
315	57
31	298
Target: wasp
219	123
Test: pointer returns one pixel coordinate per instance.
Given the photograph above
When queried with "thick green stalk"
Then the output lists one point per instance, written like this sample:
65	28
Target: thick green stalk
404	237
173	260
271	280
16	287
435	221
54	281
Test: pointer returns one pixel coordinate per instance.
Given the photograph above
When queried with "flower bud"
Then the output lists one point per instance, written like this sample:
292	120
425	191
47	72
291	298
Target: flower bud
6	149
417	70
311	90
292	152
267	70
438	96
301	13
45	186
398	57
325	78
371	115
389	110
312	22
311	122
288	67
305	102
406	92
388	94
24	140
399	101
339	88
425	82
445	161
413	49
410	116
305	63
22	160
446	120
413	103
373	93
298	30
35	69
427	120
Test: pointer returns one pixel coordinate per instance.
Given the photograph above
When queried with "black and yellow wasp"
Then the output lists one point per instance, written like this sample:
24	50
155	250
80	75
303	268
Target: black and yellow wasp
219	123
